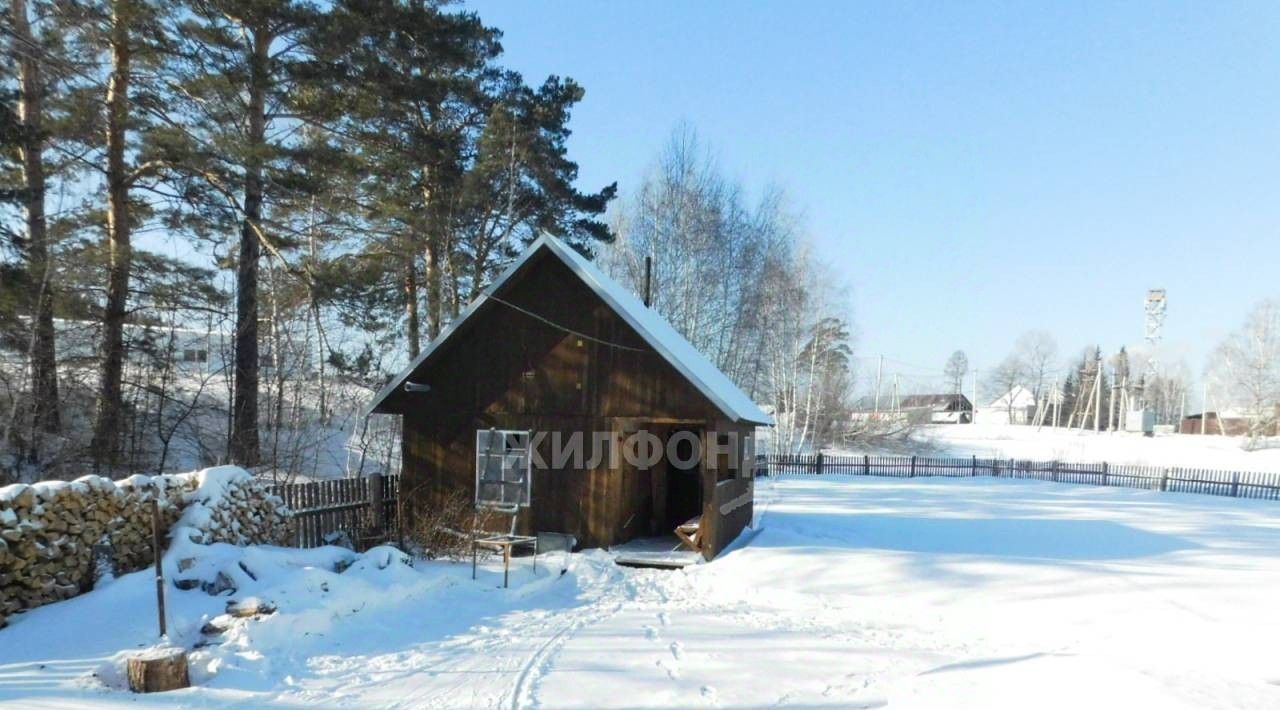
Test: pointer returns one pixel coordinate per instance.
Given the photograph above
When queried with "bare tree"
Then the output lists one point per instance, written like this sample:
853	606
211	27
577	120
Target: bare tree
736	279
1247	364
1166	392
1007	376
956	368
1037	352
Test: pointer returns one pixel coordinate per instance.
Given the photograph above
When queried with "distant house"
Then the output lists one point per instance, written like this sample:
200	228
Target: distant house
1226	423
938	408
557	350
189	349
1017	406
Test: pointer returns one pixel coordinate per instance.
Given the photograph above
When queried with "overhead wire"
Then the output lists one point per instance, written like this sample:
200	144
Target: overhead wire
560	327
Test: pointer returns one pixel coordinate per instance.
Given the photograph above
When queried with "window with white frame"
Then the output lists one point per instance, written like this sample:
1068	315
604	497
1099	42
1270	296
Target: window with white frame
503	467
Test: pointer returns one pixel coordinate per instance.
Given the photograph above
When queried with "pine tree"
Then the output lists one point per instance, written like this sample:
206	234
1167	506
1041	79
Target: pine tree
130	33
465	163
521	182
1070	394
414	78
30	53
235	66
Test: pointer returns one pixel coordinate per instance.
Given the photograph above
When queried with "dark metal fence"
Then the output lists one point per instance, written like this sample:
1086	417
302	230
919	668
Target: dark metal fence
1237	484
362	509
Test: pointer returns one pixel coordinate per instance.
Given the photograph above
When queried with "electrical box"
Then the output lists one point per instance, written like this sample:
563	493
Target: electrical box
1141	420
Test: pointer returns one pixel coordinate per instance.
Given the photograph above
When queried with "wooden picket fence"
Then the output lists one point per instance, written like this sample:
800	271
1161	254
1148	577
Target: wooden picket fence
362	508
1237	484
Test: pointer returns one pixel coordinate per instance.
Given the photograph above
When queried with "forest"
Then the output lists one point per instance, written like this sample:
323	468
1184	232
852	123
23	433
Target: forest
225	223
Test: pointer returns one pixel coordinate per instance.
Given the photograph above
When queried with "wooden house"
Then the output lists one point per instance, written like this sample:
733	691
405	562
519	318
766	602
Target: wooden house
939	408
555	348
1017	406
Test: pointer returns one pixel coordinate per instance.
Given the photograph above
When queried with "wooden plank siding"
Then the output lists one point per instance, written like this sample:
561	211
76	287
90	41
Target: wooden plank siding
1239	484
506	369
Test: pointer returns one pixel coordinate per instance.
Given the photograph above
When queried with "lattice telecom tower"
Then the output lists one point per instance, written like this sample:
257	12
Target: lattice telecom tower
1156	306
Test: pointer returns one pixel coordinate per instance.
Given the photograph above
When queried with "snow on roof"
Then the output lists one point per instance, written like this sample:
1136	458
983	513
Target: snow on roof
1019	396
653	328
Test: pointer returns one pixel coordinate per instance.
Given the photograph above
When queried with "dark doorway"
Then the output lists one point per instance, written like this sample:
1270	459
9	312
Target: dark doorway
684	485
675	492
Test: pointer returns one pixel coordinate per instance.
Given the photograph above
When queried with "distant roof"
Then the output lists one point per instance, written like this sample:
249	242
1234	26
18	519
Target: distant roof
653	328
935	400
1019	396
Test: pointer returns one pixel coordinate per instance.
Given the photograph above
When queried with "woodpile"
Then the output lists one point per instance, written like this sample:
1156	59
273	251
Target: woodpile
57	537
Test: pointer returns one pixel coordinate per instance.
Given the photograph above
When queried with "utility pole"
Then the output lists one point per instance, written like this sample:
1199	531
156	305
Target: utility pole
1113	414
975	396
1125	404
896	407
879	374
1204	407
1097	389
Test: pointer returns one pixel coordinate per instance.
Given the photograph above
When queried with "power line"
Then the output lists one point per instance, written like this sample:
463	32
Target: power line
557	326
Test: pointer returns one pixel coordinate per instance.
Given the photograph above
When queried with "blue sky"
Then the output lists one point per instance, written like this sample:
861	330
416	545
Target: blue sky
975	170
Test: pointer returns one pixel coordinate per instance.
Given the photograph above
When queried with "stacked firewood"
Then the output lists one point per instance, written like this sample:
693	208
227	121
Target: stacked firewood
58	538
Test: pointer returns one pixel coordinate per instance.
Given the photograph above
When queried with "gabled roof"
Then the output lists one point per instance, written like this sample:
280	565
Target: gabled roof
943	401
651	327
1019	396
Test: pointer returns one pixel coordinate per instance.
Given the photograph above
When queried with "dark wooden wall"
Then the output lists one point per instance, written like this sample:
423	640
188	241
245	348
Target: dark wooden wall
507	369
729	518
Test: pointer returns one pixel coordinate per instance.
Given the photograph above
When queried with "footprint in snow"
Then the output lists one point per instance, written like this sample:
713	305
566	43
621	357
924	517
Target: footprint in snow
709	692
650	632
663	618
677	650
857	695
672	671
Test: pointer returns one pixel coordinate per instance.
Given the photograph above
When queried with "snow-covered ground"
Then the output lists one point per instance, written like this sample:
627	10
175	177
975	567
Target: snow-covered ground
922	593
1026	442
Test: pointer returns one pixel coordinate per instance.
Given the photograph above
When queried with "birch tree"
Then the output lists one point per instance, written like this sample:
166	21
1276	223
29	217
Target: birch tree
1247	363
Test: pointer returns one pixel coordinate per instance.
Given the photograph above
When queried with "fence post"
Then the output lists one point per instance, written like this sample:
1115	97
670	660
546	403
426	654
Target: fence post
1104	473
1164	479
866	464
974	471
375	502
1053	471
1235	485
912	474
818	465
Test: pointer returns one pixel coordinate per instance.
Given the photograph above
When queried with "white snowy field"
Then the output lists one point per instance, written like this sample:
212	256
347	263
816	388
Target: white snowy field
1026	442
920	593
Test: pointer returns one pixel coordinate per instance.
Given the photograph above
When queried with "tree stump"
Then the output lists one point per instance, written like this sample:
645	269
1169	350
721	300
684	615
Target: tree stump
158	670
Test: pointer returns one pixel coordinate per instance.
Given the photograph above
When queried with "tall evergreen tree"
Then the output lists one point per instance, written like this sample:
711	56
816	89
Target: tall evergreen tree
131	35
414	78
234	67
465	162
521	182
29	53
